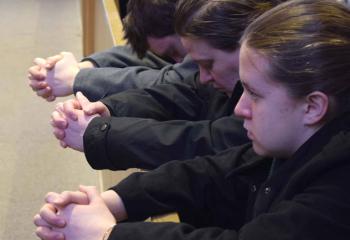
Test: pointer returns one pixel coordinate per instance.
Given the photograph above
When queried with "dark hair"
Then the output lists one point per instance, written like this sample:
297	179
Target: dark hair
152	18
219	22
307	44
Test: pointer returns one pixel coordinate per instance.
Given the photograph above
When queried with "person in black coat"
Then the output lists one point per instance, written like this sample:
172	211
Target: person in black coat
135	124
290	183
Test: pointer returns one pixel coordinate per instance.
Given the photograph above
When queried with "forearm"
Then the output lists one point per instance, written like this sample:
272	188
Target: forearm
86	64
191	188
115	205
161	102
146	143
98	83
123	56
169	231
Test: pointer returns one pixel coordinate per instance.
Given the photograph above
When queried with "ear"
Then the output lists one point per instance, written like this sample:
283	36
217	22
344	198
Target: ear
316	108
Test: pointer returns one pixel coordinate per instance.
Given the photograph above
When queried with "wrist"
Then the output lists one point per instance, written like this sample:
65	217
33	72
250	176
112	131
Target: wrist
107	233
115	205
86	64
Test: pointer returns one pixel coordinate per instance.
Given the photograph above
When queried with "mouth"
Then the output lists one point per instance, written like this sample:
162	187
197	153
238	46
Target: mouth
249	133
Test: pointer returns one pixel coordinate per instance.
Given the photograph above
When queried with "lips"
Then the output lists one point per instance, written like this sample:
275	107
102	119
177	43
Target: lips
249	134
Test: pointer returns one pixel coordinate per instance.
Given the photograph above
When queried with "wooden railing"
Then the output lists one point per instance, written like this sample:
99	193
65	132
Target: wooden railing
102	25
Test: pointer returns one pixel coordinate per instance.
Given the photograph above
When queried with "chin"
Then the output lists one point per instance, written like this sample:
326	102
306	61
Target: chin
261	151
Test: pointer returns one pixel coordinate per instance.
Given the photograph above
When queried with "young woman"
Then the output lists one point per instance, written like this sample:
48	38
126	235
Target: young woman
290	183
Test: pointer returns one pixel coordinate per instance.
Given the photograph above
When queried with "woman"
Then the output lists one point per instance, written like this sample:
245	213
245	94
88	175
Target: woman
294	66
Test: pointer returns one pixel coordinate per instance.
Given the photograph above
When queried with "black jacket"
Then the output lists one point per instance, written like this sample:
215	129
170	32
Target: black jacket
119	69
238	195
163	123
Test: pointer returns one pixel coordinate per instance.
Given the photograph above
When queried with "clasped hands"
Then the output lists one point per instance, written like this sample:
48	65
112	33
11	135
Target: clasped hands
71	118
54	76
76	215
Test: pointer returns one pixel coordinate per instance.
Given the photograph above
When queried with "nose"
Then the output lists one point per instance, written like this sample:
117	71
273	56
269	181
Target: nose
243	108
204	76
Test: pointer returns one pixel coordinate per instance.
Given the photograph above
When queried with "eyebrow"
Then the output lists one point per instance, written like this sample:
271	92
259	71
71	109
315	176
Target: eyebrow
246	86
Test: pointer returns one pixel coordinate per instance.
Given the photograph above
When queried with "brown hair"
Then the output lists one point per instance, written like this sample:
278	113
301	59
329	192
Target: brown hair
152	18
220	22
307	43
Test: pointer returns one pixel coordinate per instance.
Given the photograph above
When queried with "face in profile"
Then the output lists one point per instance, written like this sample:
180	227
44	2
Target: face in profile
216	67
167	47
272	118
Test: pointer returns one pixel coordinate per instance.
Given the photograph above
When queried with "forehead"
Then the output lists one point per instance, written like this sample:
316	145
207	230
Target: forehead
253	65
162	44
198	48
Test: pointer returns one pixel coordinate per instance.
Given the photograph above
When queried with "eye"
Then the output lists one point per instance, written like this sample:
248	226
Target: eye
207	65
252	94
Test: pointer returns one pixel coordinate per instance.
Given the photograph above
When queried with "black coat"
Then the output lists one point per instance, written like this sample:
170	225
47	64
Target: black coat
163	123
239	195
119	69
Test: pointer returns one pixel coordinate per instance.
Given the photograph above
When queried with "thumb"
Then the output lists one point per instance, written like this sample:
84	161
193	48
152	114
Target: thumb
40	62
84	102
68	55
51	61
92	193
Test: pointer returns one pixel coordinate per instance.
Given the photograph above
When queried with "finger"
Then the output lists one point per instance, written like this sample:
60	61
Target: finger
63	144
36	73
68	55
58	121
51	98
37	85
44	93
94	108
51	61
40	61
59	133
91	191
70	108
39	222
46	233
68	197
51	196
84	102
59	107
48	213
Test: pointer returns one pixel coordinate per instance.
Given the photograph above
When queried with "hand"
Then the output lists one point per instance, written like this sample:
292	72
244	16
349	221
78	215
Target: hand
71	118
75	131
61	74
47	218
88	222
37	76
82	103
54	77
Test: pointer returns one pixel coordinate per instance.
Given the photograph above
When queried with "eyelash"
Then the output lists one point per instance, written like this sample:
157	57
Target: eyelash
207	66
252	94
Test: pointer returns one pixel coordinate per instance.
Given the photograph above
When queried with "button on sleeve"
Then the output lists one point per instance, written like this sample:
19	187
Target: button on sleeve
104	127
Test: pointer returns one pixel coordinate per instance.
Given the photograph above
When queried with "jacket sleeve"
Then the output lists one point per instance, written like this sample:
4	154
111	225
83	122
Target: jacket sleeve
122	143
317	209
183	101
124	56
161	102
97	83
196	189
119	70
